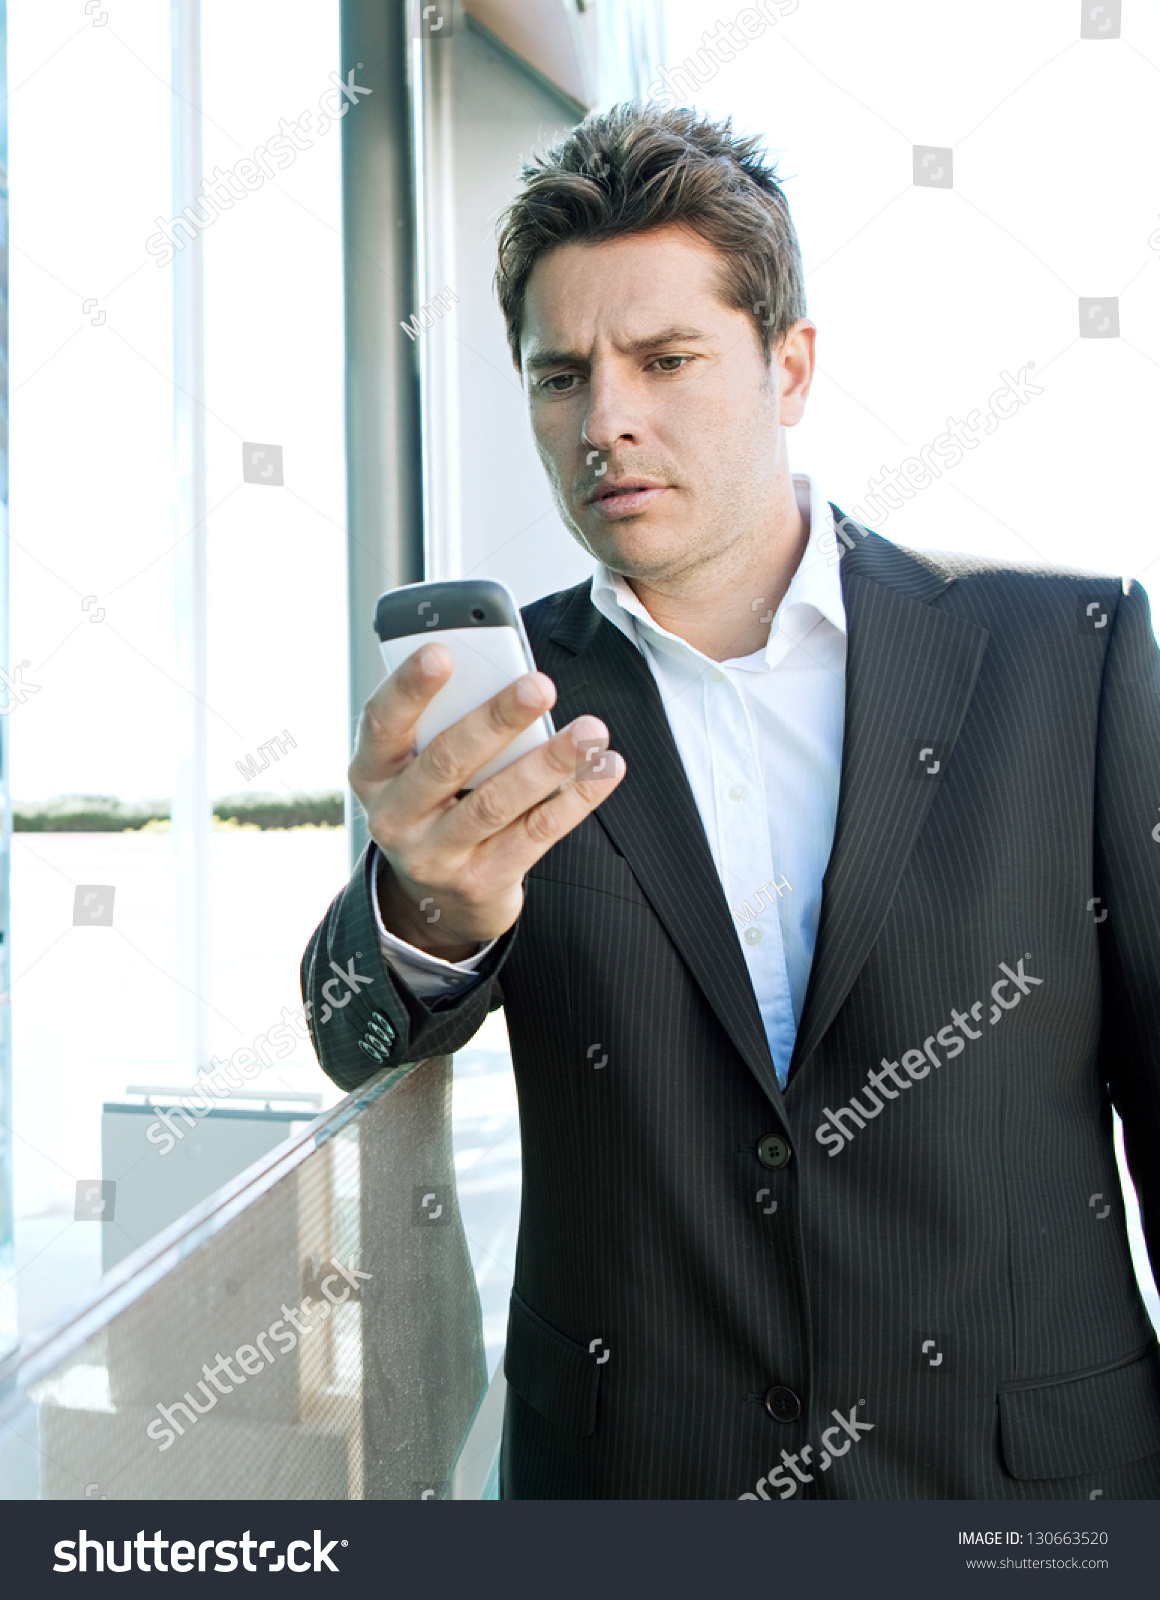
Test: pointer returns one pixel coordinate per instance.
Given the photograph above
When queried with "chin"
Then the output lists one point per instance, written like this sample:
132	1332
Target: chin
633	546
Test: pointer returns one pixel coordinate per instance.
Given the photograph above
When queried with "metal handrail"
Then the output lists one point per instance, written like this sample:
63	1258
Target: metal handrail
123	1284
168	1091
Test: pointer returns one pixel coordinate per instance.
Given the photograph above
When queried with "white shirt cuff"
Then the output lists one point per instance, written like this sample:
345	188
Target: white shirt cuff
426	975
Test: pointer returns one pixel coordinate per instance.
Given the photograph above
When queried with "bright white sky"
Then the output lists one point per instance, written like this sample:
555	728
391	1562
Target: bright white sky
922	296
92	406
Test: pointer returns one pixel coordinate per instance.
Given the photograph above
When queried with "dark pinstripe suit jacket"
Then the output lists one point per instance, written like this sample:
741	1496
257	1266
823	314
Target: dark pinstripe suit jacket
932	1264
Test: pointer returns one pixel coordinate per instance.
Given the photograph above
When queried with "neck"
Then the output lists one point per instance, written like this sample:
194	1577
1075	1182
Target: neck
725	608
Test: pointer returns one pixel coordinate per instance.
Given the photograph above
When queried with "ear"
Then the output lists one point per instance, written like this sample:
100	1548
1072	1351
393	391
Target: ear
795	361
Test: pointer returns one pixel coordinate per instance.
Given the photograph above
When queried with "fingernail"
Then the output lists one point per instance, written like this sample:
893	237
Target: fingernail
529	691
588	730
429	660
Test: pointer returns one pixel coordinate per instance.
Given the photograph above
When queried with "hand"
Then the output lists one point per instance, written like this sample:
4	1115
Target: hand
457	866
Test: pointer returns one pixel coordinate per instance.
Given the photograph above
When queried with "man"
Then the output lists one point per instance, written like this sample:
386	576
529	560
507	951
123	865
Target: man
826	926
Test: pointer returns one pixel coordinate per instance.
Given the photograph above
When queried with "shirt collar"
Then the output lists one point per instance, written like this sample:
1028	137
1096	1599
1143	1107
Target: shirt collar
815	589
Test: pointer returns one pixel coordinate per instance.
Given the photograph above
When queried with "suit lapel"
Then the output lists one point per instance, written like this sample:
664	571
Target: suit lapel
653	820
910	674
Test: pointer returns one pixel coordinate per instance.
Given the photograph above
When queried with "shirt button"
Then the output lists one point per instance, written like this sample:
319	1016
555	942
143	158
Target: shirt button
716	676
773	1151
782	1404
738	792
753	936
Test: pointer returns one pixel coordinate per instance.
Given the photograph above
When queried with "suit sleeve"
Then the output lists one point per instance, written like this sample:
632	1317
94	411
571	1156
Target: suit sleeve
362	1016
1127	848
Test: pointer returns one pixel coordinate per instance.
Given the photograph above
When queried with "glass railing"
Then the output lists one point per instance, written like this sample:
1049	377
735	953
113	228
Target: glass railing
311	1331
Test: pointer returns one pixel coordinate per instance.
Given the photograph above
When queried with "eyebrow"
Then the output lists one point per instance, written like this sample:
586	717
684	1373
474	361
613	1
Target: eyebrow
573	358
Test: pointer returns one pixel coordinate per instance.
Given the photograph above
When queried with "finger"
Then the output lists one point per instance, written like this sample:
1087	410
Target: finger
386	730
512	853
525	783
451	758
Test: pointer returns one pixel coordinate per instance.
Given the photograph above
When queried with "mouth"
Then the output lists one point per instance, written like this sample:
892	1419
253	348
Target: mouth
626	497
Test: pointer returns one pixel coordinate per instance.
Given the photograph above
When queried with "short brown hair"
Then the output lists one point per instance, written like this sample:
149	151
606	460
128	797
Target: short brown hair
639	167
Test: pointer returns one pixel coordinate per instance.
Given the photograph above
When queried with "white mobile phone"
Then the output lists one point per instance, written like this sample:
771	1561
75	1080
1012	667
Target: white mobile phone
479	623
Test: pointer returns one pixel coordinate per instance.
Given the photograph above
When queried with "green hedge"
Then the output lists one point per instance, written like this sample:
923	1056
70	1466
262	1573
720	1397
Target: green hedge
100	813
282	810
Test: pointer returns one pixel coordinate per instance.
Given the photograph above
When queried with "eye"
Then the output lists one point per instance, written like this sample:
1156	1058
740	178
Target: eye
559	383
679	360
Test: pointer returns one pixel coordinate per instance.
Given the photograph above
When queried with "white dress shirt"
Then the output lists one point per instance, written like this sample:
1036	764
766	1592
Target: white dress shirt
760	738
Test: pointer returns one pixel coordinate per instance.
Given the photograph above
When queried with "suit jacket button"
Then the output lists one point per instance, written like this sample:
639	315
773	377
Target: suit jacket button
782	1404
773	1151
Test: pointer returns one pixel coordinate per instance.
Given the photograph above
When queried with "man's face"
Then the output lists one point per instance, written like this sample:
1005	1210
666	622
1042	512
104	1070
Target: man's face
653	409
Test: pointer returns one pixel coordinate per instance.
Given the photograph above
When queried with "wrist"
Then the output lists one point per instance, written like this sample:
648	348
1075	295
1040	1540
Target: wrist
418	925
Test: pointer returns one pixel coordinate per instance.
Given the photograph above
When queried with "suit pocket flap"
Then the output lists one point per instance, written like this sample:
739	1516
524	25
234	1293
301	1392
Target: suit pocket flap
1067	1427
552	1373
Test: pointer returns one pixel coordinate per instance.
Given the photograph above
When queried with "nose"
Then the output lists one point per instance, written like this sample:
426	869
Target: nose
611	417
